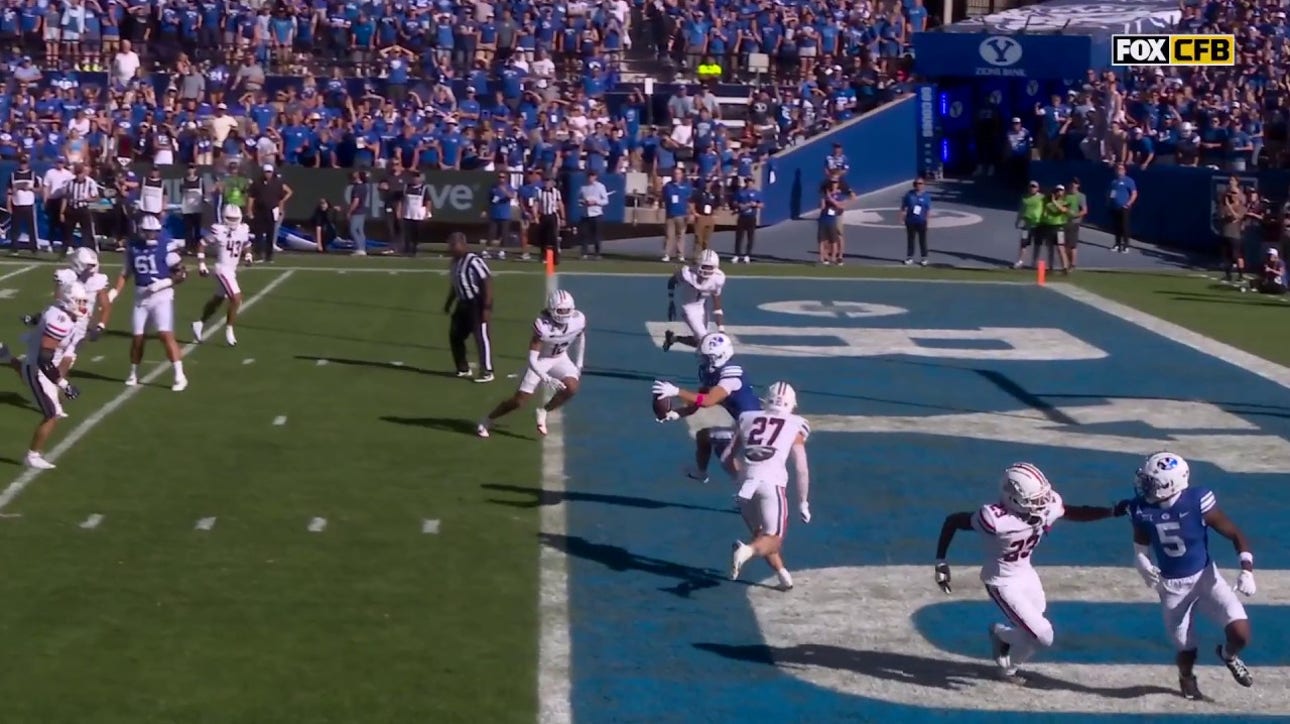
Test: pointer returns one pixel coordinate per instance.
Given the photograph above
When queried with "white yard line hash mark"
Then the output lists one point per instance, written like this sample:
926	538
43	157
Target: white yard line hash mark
248	361
397	363
205	523
317	525
18	272
321	363
430	527
96	418
280	420
92	522
98	358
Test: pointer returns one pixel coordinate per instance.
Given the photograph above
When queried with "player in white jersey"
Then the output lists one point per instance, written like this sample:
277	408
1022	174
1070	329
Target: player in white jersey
47	342
83	267
231	238
559	327
697	284
764	442
156	267
1028	508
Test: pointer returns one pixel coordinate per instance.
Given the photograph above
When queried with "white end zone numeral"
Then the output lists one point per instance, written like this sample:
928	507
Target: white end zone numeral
869	611
1018	344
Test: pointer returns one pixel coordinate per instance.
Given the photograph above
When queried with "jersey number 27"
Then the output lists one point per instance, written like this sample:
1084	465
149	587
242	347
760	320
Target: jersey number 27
761	438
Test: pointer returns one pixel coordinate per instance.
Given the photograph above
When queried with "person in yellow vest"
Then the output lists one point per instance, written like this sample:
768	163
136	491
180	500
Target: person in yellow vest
1029	214
709	69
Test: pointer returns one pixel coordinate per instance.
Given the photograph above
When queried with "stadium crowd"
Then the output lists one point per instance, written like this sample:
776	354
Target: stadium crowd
453	84
1231	118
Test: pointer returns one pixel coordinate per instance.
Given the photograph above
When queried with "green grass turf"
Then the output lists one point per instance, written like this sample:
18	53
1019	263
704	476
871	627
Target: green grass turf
145	620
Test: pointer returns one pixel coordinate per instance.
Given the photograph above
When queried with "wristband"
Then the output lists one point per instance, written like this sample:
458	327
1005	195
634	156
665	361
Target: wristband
63	383
201	256
1247	557
718	313
698	400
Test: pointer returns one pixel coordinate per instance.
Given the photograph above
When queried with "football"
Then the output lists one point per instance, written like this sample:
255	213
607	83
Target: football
662	406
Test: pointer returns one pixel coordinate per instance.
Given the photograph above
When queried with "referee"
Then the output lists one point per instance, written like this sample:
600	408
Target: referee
549	204
81	193
472	293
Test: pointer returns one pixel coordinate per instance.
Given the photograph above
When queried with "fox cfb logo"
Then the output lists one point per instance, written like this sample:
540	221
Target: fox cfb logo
1183	50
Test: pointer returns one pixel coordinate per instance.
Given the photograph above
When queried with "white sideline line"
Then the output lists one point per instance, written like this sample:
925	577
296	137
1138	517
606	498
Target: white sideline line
92	522
248	361
204	523
13	274
280	420
430	527
320	363
1266	369
555	690
26	478
317	525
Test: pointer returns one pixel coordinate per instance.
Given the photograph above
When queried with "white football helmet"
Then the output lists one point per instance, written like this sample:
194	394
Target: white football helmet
232	215
707	263
150	227
560	305
84	261
1162	476
781	398
716	349
1025	490
74	299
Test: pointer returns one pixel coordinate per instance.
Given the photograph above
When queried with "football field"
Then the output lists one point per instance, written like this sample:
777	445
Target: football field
312	532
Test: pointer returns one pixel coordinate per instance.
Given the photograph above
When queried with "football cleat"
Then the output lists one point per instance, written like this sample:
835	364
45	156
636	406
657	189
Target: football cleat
197	331
1239	670
131	381
229	337
785	580
740	553
669	339
1189	689
36	461
999	650
181	384
697	475
463	373
486	377
481	430
541	421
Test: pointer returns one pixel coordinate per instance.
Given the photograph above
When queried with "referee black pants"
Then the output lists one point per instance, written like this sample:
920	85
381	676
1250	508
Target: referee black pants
192	232
22	220
53	214
549	236
82	220
467	320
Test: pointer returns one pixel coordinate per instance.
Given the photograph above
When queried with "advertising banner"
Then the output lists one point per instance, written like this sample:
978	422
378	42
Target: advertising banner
929	131
943	54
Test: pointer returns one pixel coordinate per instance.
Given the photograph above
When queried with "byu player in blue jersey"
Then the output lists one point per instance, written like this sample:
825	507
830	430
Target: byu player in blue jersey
721	383
1171	521
156	266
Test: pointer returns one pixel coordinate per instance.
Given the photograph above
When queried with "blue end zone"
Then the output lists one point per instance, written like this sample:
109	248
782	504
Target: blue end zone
660	635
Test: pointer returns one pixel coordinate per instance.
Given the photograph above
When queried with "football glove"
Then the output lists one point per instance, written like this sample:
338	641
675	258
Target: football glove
30	320
943	577
555	383
70	392
1245	584
805	509
1121	508
112	295
665	389
95	332
202	270
671	311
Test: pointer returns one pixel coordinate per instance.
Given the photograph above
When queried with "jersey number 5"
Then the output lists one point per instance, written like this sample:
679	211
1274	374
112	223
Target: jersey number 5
1171	544
1019	549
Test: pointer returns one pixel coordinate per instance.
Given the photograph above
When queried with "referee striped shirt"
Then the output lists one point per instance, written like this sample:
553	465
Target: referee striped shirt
548	201
468	276
82	191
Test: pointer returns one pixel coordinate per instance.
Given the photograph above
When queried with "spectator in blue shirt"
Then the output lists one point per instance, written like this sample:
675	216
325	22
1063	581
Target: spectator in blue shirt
676	215
916	206
500	200
1122	195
